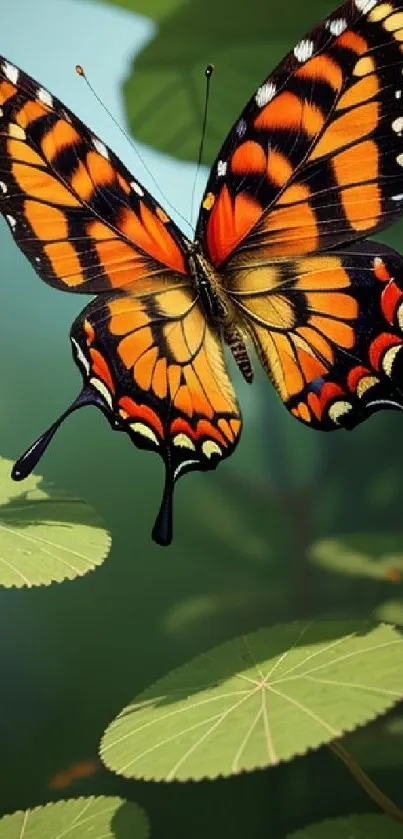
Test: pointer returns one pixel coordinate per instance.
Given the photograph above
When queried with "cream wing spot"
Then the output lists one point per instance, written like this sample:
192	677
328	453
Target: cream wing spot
365	384
389	359
145	431
222	168
210	448
183	441
3	187
16	131
102	389
338	410
397	126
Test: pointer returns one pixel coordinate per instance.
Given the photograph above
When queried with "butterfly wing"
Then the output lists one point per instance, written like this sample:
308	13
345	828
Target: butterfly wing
316	158
328	329
153	366
74	210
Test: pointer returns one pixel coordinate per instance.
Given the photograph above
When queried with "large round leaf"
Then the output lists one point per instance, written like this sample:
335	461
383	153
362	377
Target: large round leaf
45	535
165	93
78	818
375	555
352	827
258	700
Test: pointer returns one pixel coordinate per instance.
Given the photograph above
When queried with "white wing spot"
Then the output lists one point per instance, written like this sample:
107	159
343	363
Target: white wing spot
265	94
365	6
241	127
100	147
221	168
182	466
137	189
398	94
304	50
83	361
398	197
399	159
45	97
397	125
3	187
12	222
12	73
337	26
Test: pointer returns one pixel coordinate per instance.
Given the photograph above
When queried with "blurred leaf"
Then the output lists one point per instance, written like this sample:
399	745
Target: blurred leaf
79	818
45	535
258	700
375	555
156	9
379	745
352	827
391	611
165	93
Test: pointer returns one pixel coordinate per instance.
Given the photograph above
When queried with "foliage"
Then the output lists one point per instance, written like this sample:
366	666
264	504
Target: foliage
167	78
46	535
79	818
353	827
258	700
297	525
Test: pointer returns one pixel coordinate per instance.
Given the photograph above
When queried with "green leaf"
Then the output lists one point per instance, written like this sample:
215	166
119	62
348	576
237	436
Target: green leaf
258	700
375	555
165	93
156	9
78	818
391	611
352	827
45	535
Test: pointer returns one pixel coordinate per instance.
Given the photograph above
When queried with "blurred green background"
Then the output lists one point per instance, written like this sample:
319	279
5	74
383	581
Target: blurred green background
271	536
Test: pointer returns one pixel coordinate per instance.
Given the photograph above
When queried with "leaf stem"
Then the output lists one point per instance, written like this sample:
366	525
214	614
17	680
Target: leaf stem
365	782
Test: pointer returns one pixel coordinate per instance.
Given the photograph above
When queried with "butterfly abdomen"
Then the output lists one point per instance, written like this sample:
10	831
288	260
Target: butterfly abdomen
234	340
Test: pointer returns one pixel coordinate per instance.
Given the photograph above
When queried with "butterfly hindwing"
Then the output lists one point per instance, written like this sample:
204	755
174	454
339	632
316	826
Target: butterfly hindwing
328	329
316	158
154	367
74	210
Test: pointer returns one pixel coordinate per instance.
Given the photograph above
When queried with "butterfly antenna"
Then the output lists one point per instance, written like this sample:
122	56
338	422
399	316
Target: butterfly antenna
81	72
208	74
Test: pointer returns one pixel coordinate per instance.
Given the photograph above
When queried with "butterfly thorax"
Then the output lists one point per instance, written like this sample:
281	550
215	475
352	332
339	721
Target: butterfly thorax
218	308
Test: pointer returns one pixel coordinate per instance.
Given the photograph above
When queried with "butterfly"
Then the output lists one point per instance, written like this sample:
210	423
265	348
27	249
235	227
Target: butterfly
279	263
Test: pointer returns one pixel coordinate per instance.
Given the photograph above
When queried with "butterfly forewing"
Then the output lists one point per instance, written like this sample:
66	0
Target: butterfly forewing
315	160
83	221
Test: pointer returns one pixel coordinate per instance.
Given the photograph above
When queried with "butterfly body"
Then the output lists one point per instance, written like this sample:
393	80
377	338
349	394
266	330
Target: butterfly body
281	260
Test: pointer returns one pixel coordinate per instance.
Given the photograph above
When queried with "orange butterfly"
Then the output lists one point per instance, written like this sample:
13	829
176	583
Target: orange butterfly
313	164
